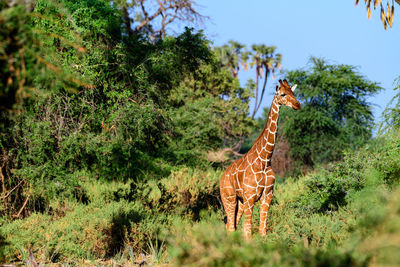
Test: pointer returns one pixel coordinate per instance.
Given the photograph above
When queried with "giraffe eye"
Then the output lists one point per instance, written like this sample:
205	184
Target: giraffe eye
283	95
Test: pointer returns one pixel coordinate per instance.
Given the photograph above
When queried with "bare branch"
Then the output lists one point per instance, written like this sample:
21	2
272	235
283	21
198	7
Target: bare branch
165	13
23	206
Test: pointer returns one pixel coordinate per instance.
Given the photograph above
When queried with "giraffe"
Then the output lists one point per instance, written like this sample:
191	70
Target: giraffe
251	177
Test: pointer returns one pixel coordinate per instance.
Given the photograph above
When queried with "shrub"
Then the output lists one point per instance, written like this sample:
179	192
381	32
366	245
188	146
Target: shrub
83	230
185	190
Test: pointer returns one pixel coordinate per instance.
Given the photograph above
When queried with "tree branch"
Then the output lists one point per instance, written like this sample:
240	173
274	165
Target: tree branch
170	10
127	20
23	206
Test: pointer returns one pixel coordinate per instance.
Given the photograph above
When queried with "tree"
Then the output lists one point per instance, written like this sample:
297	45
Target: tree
391	114
149	106
149	17
233	56
265	61
335	114
386	16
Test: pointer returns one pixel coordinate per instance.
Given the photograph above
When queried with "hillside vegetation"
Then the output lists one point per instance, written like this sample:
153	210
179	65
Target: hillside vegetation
105	133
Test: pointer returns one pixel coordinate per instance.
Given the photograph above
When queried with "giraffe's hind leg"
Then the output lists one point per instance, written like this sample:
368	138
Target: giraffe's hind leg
239	213
248	213
266	199
229	202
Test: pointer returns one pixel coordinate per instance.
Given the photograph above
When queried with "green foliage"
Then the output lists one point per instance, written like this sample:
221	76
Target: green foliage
374	164
187	191
105	157
263	59
97	230
207	108
117	107
207	244
391	113
343	215
328	217
335	115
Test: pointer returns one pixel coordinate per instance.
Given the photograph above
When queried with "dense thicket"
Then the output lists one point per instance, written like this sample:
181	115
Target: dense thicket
103	103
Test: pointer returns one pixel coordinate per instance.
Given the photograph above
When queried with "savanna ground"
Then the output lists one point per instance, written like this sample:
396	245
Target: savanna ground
106	132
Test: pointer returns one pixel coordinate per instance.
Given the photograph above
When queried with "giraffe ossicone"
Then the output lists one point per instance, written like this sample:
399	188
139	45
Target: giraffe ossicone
251	177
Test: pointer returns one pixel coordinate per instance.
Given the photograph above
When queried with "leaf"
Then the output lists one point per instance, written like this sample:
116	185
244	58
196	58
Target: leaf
369	13
390	21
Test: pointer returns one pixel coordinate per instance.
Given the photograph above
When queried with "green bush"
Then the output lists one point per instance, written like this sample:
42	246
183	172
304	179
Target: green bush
83	230
188	191
207	244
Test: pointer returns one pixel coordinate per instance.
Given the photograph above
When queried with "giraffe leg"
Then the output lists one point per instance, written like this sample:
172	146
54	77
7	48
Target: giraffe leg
230	203
266	199
265	204
239	213
229	200
248	212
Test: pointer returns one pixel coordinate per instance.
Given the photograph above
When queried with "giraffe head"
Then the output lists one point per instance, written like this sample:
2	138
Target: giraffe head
284	94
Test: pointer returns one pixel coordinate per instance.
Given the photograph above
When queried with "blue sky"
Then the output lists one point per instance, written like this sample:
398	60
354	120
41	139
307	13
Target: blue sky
335	30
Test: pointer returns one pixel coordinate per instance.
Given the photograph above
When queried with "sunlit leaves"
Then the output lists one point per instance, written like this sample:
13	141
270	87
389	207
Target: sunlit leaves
385	15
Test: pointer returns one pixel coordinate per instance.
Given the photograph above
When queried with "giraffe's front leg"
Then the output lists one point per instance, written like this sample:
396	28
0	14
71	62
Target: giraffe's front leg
266	199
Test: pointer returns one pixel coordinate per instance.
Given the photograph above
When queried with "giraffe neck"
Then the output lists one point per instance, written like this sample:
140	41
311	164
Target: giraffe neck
265	143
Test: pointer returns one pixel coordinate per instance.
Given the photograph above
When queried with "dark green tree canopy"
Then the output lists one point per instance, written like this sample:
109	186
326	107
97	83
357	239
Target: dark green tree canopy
335	113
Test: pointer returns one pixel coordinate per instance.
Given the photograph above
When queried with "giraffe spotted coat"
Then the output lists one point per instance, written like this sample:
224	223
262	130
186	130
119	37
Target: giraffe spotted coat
251	177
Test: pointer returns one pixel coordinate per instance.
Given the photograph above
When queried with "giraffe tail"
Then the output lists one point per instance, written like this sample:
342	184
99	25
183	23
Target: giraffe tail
225	220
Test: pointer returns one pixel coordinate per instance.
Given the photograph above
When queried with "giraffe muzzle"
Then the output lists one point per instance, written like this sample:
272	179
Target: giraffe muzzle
296	106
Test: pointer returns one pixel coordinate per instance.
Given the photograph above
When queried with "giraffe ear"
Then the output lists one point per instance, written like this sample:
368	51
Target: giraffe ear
276	89
294	87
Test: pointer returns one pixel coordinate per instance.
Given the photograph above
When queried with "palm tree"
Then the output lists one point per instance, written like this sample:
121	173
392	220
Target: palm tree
233	56
265	61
